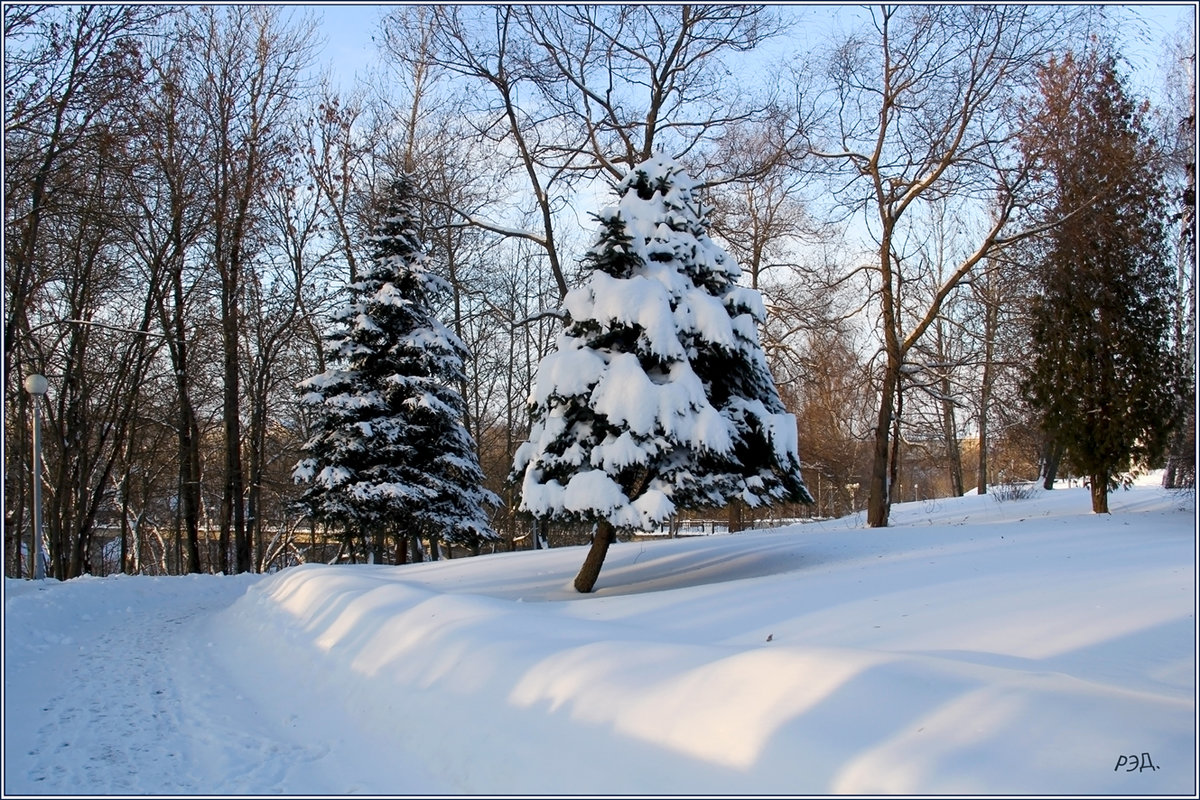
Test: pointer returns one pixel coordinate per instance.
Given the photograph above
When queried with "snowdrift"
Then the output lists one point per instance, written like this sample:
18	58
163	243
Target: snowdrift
975	647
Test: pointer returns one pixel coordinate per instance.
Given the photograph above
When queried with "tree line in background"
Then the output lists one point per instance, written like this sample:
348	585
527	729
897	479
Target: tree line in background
925	204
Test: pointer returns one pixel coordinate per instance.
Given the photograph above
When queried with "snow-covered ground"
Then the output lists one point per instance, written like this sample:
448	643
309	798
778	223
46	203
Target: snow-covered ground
974	647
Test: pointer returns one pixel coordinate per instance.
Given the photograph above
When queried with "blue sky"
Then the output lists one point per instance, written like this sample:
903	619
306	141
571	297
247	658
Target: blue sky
349	49
348	29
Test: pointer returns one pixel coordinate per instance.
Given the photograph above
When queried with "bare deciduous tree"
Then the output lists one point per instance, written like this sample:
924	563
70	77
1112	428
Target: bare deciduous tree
251	67
916	110
69	85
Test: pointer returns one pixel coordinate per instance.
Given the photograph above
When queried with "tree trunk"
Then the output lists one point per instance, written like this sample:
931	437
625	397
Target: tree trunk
893	480
255	535
1168	481
1050	458
605	535
127	533
189	480
878	501
232	513
19	488
950	432
233	510
737	516
1099	488
175	322
985	396
990	324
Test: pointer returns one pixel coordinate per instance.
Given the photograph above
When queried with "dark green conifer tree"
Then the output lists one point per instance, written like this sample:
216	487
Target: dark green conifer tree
1102	371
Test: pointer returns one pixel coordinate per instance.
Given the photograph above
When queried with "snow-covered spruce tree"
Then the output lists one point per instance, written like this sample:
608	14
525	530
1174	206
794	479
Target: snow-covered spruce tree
390	455
658	394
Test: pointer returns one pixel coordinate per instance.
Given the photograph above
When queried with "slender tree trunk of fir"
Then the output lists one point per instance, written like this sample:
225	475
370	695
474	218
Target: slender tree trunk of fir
1168	480
1050	458
737	516
605	535
1099	488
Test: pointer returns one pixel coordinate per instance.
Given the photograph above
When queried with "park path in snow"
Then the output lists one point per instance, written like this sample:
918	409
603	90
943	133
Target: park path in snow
113	690
131	697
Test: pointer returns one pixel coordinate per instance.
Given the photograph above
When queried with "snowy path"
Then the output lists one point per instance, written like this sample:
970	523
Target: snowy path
124	695
133	698
140	737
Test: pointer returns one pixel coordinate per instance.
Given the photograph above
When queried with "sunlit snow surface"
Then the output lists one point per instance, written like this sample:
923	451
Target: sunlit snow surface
974	647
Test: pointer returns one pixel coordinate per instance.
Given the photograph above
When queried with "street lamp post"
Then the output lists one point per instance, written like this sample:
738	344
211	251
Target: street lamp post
36	385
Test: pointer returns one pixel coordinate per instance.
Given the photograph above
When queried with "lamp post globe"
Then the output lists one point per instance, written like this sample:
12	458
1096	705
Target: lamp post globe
36	384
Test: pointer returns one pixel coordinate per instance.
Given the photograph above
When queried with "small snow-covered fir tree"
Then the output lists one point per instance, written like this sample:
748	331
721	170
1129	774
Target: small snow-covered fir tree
658	395
390	454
